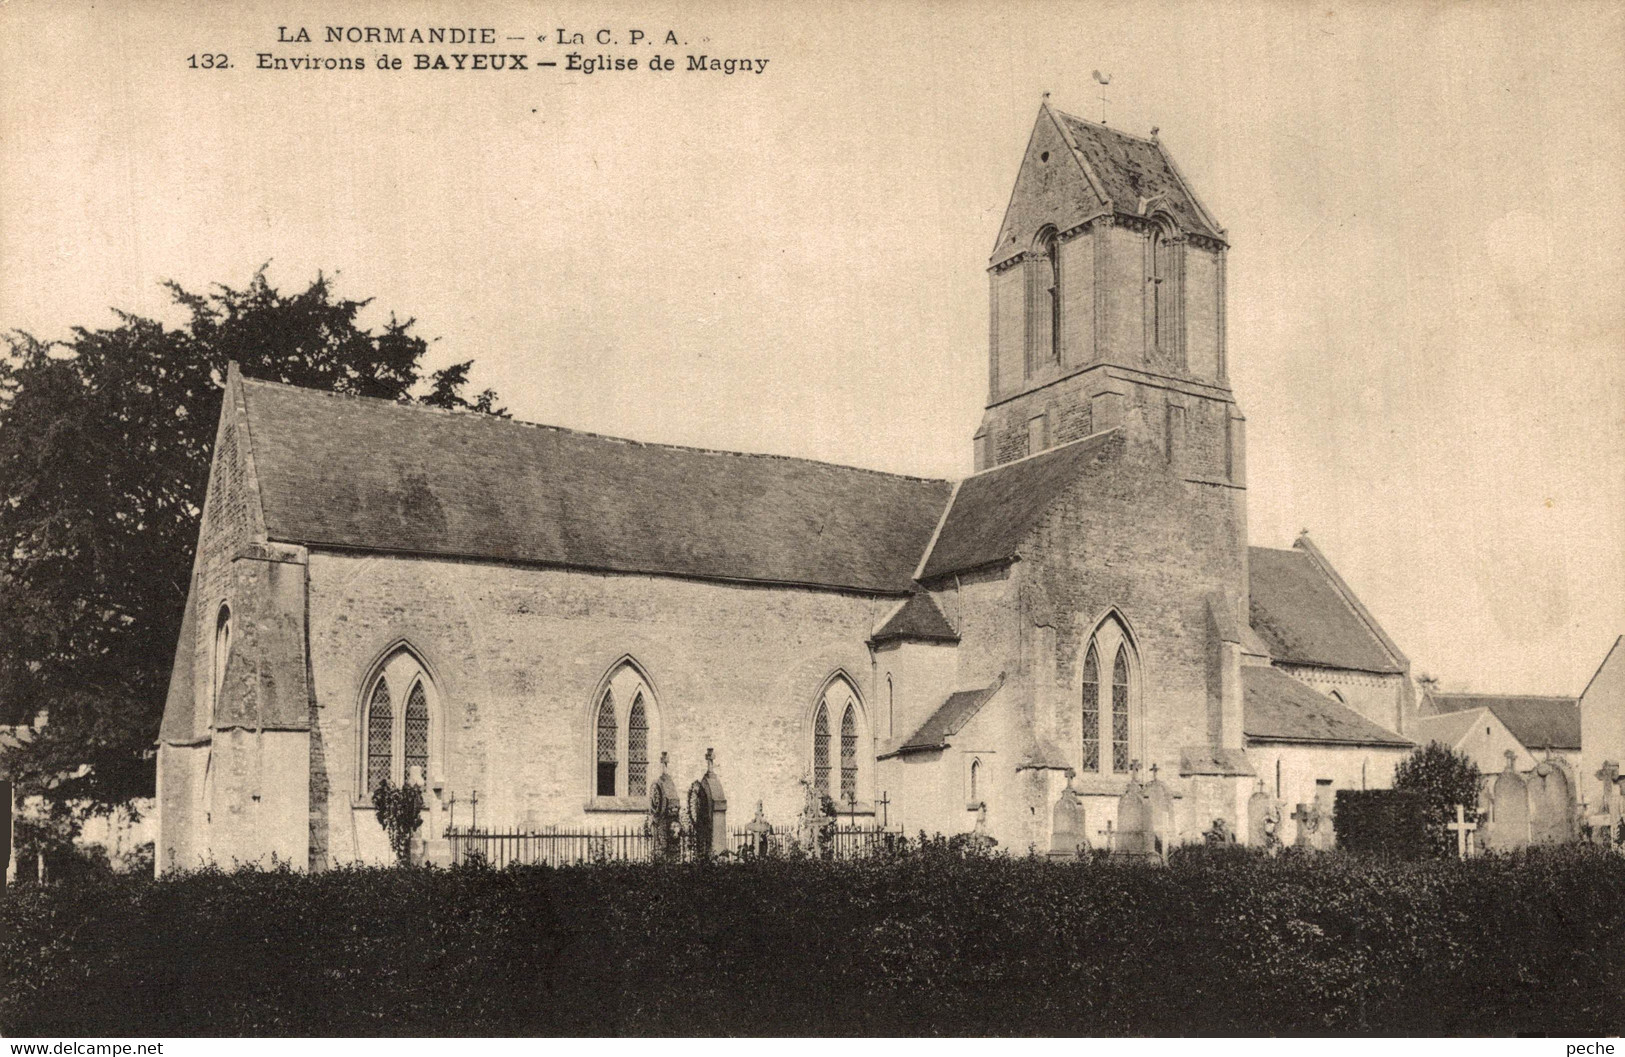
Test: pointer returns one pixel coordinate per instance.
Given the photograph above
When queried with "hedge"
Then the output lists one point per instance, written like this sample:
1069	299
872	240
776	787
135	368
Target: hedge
1221	941
1382	822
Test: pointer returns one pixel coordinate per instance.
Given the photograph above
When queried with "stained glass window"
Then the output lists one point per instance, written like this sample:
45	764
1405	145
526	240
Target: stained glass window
606	746
637	750
849	755
416	753
380	736
1120	711
1091	711
821	749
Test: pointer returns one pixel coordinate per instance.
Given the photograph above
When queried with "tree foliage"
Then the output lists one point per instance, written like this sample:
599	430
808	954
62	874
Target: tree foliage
1444	778
105	441
400	812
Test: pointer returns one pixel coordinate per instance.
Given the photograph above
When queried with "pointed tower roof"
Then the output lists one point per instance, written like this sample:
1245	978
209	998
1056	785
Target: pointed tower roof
1107	171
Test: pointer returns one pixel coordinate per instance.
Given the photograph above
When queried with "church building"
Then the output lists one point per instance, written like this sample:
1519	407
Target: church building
547	619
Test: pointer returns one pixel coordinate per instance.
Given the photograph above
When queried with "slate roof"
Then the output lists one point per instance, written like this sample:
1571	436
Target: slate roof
916	620
1537	722
1447	729
371	474
993	511
1276	707
1131	169
949	719
1302	617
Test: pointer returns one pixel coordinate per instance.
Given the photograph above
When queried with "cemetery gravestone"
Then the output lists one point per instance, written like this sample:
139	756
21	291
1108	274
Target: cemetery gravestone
1508	828
1067	833
1135	835
1162	813
1307	822
1263	819
1551	805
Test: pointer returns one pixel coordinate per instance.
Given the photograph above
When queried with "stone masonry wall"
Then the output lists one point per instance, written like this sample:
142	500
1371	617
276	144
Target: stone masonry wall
517	655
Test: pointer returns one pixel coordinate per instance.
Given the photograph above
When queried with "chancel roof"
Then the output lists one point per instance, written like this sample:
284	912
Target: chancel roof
354	472
1277	707
1302	615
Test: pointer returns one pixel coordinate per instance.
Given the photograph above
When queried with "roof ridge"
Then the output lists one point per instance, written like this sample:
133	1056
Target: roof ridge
475	415
1106	127
1493	693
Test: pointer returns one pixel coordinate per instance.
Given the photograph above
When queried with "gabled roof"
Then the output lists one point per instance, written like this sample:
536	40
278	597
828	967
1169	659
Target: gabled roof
367	474
1605	659
1449	728
1136	174
1305	615
993	511
1537	722
918	619
1276	707
949	719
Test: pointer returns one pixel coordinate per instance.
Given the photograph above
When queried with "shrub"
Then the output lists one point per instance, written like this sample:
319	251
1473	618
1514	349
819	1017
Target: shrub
1220	941
400	812
1382	822
1444	778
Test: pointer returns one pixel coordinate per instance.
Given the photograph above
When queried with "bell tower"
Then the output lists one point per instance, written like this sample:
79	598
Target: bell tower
1106	305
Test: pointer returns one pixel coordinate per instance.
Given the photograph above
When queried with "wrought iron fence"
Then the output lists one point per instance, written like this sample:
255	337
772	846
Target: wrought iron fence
838	842
557	847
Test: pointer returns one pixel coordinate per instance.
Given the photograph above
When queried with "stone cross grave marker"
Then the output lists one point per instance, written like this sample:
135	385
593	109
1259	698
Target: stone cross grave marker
1302	816
1463	829
1608	773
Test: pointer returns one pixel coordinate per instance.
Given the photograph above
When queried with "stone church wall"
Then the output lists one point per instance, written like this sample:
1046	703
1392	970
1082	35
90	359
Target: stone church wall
1134	537
518	654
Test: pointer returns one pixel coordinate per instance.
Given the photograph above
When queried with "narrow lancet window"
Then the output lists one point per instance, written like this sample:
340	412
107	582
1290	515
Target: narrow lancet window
849	756
417	734
1120	759
637	750
1091	712
380	736
606	746
821	750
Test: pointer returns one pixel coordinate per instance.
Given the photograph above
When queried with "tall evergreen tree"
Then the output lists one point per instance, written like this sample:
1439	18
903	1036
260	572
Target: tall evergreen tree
105	445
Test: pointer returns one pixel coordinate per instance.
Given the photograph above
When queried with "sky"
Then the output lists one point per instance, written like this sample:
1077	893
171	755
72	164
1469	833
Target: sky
1423	202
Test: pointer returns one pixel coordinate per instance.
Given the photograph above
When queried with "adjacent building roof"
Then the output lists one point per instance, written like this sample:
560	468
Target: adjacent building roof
1449	728
918	619
355	472
949	719
1304	617
1136	174
1277	707
993	511
1537	722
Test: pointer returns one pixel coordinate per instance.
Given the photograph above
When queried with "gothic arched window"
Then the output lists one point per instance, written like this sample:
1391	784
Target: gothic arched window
637	750
625	726
606	745
975	781
1120	710
380	736
821	749
1163	274
400	720
221	653
1052	259
1108	721
854	765
849	755
1091	712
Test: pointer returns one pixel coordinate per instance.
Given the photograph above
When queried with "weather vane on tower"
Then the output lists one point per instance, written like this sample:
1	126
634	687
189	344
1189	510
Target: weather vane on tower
1104	79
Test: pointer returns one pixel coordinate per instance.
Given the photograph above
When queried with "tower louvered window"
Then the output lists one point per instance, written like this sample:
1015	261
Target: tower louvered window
1120	758
1091	711
417	734
849	756
380	736
821	750
637	750
606	746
